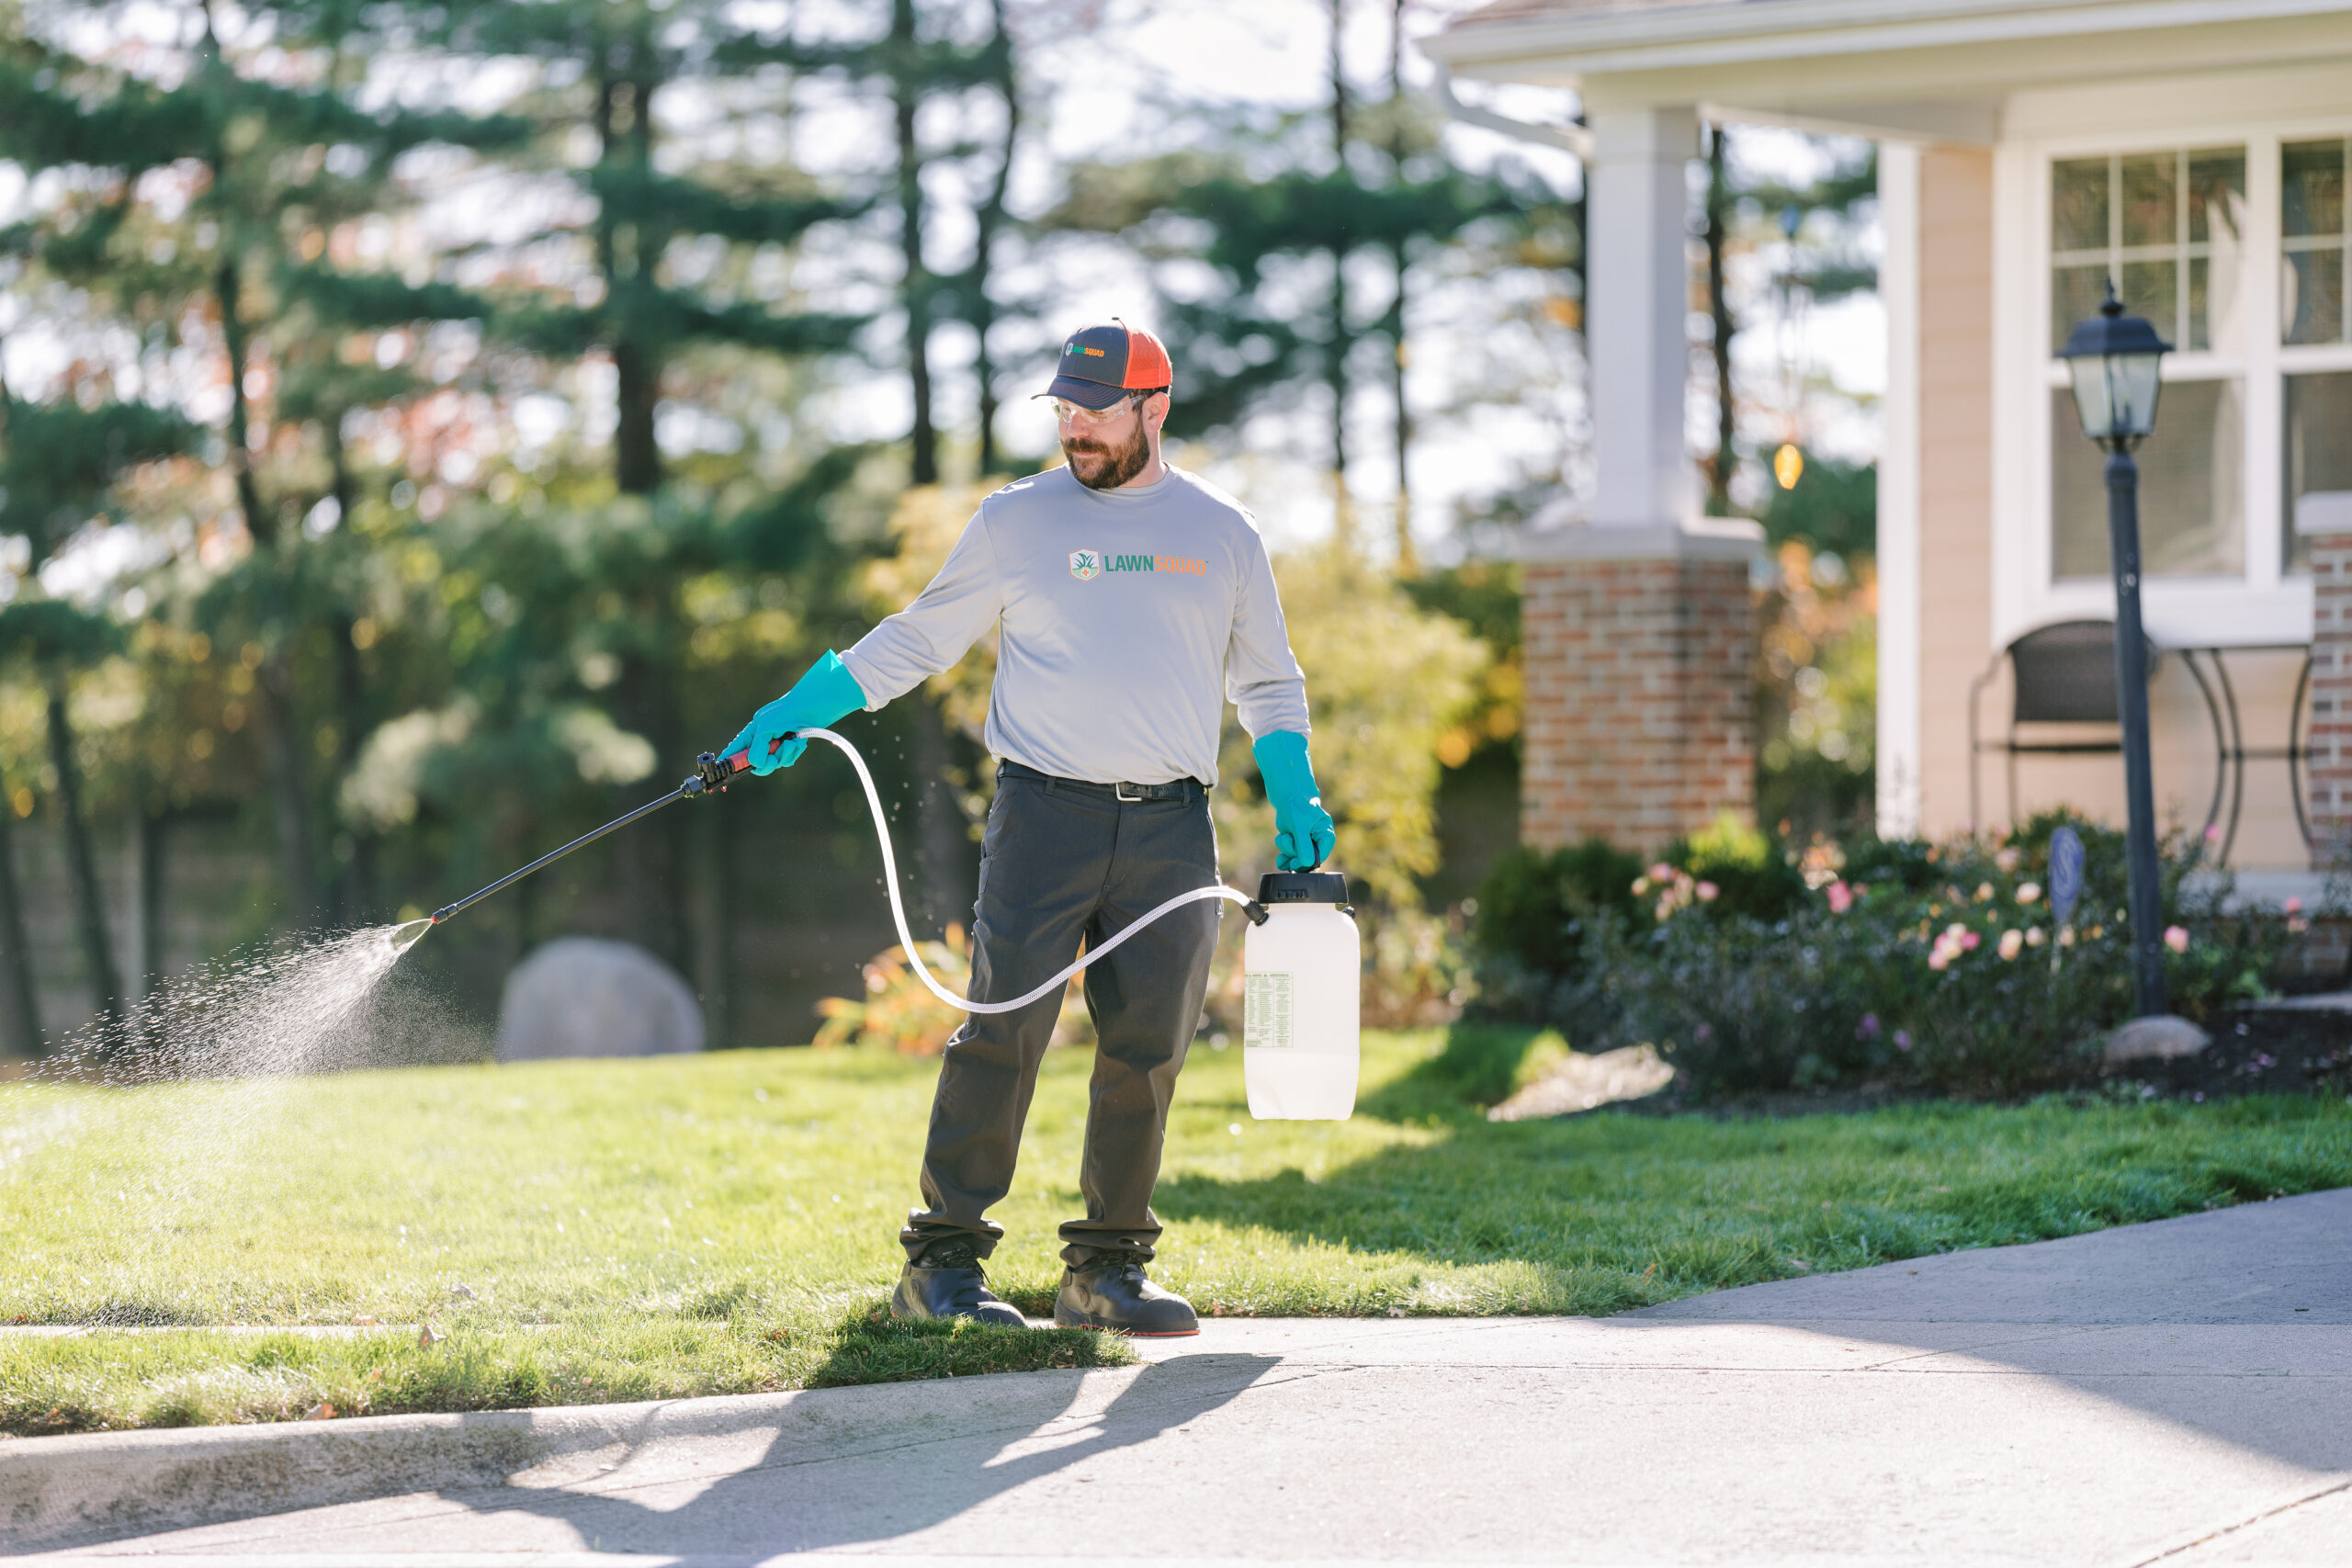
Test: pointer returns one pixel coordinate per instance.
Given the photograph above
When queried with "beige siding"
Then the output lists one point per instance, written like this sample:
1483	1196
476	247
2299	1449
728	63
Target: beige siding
1955	469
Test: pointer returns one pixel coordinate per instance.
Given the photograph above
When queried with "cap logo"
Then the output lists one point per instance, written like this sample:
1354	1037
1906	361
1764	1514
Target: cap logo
1085	565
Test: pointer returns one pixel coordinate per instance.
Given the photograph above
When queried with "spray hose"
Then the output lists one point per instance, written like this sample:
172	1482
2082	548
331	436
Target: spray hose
712	774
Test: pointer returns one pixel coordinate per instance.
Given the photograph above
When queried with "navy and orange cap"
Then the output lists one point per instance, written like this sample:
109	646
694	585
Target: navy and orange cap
1100	364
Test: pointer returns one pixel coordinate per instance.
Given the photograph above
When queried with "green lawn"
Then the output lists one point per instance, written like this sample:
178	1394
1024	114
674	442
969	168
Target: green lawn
727	1223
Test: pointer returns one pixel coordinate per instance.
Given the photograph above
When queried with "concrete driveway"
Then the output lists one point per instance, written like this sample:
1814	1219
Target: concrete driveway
2179	1391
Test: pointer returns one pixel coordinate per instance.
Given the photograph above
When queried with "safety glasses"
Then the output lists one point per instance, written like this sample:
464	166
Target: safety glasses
1073	414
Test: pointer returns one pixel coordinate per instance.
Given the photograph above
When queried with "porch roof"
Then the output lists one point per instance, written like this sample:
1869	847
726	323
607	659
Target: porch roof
1930	69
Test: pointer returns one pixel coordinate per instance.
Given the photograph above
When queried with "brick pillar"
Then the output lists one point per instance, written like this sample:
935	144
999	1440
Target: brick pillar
1640	648
2331	738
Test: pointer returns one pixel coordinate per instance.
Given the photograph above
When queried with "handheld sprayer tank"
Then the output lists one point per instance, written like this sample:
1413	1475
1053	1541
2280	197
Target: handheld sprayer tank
1300	959
1300	978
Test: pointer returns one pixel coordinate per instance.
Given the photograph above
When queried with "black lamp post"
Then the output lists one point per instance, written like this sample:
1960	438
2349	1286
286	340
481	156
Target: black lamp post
2113	359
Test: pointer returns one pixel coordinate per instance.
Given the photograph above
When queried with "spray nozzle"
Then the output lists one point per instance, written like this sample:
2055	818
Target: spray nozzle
712	772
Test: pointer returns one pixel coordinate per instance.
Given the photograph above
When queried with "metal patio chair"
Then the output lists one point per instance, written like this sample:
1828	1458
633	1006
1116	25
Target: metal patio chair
2063	674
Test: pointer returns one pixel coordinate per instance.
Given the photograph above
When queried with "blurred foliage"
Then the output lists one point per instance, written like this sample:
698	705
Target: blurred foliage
1817	693
1483	596
898	1011
1833	508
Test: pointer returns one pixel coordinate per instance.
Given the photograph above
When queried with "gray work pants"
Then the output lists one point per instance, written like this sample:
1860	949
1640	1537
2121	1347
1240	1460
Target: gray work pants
1063	861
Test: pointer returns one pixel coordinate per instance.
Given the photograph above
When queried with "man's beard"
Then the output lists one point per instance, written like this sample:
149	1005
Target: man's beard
1101	467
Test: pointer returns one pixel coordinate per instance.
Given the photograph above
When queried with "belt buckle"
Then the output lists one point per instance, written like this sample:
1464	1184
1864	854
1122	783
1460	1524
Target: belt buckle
1119	792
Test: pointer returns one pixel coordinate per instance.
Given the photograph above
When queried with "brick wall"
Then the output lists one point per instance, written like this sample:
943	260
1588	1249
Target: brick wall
2330	736
1639	707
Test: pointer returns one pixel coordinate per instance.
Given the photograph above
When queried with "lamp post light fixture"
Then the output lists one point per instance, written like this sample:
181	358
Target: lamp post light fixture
2113	359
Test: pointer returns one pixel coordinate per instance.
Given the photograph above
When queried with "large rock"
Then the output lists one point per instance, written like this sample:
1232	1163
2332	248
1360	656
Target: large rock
2157	1038
583	997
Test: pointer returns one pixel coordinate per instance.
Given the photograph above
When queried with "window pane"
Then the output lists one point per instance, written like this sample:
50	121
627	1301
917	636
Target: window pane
2149	289
2213	299
2216	220
2318	448
2313	196
2078	204
2310	296
2150	190
2075	295
2192	520
2217	196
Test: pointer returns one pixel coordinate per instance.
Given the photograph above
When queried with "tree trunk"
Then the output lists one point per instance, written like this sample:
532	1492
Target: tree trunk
917	288
1726	458
354	881
152	831
624	128
228	290
637	457
1336	344
990	218
19	1004
355	890
290	795
81	861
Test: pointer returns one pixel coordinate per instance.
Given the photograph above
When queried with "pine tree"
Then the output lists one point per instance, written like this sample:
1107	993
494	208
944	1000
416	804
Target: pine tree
915	61
245	168
58	462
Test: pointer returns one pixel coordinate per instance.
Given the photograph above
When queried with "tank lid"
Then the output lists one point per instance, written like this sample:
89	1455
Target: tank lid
1302	888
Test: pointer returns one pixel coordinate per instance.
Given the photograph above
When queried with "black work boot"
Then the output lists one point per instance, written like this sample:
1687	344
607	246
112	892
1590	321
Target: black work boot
946	1282
1111	1292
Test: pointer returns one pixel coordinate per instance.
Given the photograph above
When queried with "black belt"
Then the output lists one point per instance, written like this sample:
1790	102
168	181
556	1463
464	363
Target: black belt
1133	794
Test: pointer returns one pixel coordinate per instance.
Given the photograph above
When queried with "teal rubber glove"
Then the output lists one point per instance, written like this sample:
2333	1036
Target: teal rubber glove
1303	835
822	695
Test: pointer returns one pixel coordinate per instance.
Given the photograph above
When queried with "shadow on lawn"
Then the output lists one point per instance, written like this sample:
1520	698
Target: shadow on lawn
877	1347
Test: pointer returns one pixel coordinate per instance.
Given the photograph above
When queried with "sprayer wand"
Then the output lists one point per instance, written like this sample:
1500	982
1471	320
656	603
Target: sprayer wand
712	772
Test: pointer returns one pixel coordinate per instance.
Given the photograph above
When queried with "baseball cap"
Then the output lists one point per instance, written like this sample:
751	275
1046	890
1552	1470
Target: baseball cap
1100	365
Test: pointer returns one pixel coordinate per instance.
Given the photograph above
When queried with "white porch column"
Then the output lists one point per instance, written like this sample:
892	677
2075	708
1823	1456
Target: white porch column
1899	747
1636	331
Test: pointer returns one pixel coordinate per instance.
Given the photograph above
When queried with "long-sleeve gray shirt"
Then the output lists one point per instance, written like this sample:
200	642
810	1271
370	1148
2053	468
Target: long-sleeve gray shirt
1129	616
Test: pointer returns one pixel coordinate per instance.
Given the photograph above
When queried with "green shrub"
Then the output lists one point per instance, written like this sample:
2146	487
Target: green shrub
1938	966
1535	906
1748	874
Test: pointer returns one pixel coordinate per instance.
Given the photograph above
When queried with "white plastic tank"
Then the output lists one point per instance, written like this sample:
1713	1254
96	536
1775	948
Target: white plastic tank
1300	989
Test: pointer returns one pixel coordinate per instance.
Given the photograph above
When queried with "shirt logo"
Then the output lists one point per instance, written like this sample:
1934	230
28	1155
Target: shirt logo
1087	564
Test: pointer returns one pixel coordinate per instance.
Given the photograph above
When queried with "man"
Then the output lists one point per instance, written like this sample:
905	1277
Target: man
1134	600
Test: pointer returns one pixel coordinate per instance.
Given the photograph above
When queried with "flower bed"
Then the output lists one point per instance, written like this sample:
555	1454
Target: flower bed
1897	963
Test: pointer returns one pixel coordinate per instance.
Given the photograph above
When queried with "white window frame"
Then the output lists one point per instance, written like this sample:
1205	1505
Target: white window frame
2266	606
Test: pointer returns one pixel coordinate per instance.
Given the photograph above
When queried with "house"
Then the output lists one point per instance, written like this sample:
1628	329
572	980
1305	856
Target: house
2193	150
